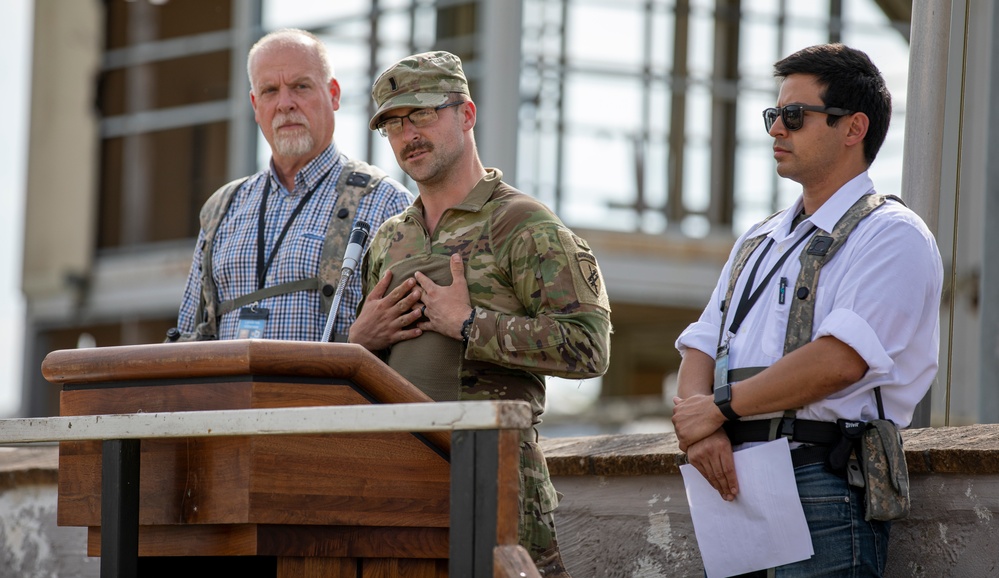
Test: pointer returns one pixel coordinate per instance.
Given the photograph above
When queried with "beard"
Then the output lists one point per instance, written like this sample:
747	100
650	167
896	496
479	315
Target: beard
296	143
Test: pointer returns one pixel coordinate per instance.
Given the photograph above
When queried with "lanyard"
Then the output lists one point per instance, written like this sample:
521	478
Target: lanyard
747	301
263	266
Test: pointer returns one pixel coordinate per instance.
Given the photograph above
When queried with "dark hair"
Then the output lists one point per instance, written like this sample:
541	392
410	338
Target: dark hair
851	81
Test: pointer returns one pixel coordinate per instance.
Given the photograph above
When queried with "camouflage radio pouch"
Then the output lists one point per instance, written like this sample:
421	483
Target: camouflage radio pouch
886	475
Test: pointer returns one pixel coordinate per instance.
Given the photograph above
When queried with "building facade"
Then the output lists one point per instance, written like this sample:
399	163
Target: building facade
638	122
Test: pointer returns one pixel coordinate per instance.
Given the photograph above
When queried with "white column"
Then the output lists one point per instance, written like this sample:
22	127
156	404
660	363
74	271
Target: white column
498	91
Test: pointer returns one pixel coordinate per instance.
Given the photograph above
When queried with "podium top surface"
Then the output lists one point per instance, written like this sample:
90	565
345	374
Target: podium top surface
241	357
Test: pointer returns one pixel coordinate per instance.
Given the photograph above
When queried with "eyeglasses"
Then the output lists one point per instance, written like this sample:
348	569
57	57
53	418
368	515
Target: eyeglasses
420	118
793	115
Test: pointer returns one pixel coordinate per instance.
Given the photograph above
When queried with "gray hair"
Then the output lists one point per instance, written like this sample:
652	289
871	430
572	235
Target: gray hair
287	37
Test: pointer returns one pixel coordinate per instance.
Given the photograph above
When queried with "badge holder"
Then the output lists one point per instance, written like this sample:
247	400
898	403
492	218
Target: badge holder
722	389
252	321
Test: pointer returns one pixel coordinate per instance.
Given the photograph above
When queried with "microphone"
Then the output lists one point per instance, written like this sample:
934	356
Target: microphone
355	244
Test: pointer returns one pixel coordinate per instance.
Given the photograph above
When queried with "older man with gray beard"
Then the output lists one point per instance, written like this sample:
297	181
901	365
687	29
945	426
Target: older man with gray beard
267	259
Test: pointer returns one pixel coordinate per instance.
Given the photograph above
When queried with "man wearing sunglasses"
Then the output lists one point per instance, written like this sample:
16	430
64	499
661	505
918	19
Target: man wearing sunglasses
477	291
754	370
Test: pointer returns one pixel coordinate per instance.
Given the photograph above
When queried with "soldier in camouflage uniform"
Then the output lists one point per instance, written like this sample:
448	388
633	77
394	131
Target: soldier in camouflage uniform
780	351
477	291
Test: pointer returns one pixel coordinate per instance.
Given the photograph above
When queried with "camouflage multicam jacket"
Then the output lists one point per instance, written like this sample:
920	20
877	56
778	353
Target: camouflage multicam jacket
540	301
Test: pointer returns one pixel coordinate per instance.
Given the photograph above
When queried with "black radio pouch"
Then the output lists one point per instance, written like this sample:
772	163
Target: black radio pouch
839	457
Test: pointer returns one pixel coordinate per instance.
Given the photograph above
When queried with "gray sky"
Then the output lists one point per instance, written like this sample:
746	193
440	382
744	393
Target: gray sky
15	50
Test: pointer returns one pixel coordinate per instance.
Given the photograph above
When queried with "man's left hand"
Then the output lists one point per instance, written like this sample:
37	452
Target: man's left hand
446	307
695	418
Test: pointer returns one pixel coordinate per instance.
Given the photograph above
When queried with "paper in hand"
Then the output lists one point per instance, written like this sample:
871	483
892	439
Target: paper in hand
764	527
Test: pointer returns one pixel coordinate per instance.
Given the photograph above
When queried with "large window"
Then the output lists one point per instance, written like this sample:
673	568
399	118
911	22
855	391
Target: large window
163	100
636	116
623	117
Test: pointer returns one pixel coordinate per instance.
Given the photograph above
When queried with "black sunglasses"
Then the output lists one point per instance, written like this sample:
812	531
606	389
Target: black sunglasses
793	115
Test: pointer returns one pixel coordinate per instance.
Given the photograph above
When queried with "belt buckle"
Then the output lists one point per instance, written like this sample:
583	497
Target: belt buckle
781	427
785	425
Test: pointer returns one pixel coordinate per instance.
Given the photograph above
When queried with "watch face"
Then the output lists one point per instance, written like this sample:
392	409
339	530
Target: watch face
723	394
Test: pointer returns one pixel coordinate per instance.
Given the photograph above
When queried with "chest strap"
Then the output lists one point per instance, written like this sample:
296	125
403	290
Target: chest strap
743	373
354	183
820	251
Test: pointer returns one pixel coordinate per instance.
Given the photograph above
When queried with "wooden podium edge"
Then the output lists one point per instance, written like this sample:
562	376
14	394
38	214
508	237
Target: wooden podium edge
239	357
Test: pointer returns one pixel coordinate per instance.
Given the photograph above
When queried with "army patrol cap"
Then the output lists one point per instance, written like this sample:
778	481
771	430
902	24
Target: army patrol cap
418	81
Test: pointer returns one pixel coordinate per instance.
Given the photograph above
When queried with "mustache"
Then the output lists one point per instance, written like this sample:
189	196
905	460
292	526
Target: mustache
292	118
420	145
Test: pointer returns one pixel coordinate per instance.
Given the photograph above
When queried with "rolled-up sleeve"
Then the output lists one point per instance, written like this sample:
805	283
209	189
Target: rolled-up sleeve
699	335
853	330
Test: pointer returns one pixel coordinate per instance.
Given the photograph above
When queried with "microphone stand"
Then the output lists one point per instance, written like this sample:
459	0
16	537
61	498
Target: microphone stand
345	275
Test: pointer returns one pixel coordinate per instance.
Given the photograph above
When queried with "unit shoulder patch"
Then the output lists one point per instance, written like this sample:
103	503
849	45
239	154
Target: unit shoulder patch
586	275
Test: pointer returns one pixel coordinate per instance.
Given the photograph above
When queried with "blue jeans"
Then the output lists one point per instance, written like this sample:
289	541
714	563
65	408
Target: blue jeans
845	545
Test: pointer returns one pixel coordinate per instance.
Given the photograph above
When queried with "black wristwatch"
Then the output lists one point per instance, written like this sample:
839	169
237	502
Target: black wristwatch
466	327
723	399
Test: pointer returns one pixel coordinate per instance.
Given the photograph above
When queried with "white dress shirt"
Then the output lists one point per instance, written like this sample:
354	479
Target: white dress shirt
880	294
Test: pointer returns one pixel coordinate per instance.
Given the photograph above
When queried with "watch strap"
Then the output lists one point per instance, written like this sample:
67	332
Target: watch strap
727	411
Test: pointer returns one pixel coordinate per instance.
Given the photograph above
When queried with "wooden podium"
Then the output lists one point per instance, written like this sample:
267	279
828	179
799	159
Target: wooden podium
293	505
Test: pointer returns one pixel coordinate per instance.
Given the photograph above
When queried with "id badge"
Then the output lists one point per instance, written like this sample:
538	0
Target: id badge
721	367
252	321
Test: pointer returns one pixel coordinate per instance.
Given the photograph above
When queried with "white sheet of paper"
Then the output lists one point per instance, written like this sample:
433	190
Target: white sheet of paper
765	525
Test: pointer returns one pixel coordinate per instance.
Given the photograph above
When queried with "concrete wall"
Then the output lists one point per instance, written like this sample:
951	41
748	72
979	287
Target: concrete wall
31	544
624	513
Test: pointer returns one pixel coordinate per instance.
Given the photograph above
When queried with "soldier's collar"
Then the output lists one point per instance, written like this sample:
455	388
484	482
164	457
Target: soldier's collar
482	191
473	202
